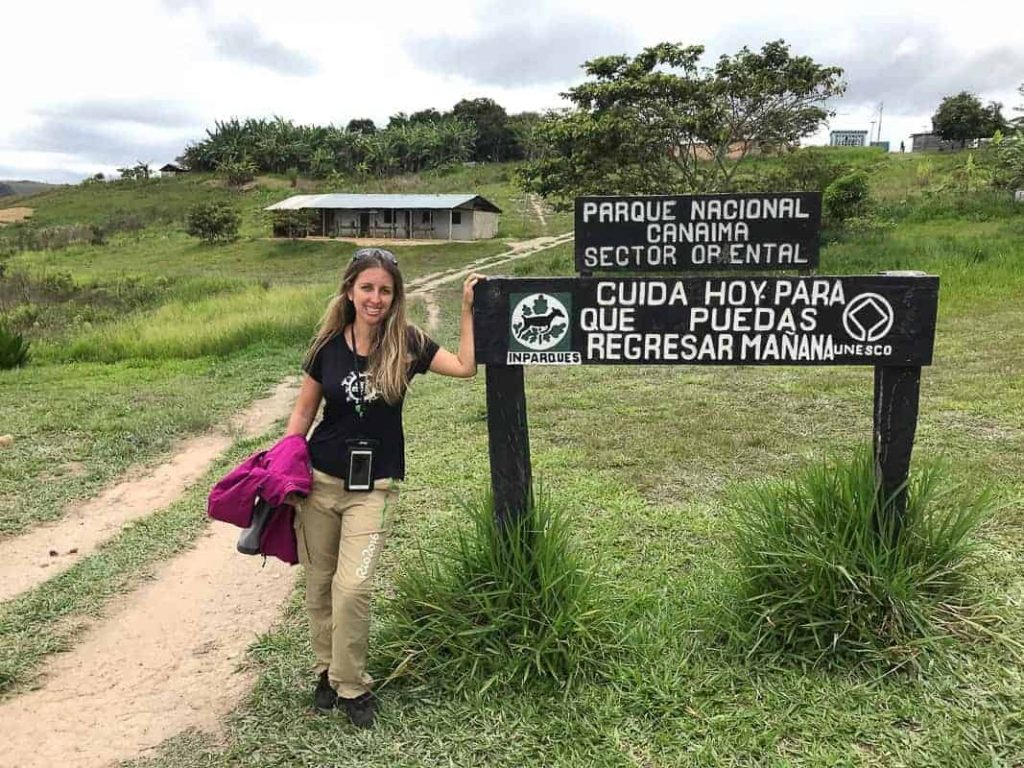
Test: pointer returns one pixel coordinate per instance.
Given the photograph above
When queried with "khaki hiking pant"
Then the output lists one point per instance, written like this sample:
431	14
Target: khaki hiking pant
340	536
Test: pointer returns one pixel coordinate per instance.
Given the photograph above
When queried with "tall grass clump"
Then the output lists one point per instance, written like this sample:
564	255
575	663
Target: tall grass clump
828	571
500	605
14	349
216	325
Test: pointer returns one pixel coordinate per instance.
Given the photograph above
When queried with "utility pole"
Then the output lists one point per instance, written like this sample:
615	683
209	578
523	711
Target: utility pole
881	106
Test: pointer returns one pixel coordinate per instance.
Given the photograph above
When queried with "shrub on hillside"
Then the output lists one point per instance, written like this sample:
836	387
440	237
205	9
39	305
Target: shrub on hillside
968	176
500	606
213	222
1008	159
14	349
810	170
846	197
237	172
803	170
827	570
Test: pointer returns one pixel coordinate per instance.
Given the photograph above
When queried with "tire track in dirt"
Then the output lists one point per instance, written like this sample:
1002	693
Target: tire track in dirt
538	208
25	560
167	657
423	287
517	251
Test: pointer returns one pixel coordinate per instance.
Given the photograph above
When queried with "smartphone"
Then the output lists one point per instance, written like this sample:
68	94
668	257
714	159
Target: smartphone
360	470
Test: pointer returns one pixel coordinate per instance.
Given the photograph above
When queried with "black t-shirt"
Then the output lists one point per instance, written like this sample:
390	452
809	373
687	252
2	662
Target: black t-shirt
335	367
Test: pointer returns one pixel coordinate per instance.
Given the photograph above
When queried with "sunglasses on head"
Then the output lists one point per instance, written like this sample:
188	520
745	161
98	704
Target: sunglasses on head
371	253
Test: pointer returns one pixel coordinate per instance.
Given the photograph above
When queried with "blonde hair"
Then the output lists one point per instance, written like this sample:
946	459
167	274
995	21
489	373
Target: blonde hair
390	354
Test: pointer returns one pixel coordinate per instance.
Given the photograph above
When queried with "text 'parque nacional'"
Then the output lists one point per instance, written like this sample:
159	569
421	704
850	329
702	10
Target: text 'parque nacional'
665	234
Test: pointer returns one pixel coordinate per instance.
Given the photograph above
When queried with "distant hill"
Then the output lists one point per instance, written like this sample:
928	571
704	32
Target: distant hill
23	187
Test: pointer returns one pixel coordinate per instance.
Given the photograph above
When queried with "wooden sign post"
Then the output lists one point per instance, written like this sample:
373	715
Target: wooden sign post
886	321
508	441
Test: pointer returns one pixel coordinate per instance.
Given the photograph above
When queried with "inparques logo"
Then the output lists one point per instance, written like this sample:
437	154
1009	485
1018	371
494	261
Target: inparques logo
540	322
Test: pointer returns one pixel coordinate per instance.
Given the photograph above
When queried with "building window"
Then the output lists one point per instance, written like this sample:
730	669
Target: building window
426	218
456	217
389	217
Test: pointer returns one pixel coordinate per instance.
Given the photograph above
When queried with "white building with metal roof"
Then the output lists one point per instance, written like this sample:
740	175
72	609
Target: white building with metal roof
413	217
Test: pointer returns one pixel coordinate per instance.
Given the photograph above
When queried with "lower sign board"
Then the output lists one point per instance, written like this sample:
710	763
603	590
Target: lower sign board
877	320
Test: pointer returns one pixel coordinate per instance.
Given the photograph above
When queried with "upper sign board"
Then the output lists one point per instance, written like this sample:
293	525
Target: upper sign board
771	230
882	320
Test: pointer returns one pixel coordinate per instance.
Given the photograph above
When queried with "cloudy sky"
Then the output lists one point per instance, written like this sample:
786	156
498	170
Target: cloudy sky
90	86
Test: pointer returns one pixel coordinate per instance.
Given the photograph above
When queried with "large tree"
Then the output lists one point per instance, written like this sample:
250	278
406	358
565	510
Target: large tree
361	125
429	115
962	118
662	122
524	127
495	140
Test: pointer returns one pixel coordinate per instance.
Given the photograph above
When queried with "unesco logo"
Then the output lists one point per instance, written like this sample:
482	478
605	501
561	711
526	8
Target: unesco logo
540	321
868	317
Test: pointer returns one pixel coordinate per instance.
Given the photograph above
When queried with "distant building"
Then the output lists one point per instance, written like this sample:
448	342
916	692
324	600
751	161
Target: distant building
847	138
884	145
930	142
413	217
172	170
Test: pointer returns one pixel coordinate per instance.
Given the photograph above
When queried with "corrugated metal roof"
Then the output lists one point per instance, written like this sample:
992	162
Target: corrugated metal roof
435	202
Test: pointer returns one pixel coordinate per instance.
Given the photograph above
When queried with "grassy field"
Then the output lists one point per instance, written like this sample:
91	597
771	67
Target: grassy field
644	460
152	336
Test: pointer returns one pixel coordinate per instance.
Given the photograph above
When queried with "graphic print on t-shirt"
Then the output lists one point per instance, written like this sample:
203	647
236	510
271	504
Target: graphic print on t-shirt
356	390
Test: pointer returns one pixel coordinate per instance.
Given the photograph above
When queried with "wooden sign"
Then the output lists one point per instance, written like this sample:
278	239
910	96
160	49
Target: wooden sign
666	234
880	320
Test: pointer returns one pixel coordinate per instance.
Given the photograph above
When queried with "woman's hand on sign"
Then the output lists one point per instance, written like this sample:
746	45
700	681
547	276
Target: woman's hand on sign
467	289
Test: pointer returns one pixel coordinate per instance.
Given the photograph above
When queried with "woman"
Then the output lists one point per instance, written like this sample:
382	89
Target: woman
360	362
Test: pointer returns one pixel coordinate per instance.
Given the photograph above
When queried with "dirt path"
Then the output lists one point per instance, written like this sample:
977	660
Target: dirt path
165	658
423	287
25	560
12	215
538	208
517	250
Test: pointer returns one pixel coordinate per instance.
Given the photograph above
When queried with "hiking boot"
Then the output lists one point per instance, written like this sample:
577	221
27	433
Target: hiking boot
360	710
324	697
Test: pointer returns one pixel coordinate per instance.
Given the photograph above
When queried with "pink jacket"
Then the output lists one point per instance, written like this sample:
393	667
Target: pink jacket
268	475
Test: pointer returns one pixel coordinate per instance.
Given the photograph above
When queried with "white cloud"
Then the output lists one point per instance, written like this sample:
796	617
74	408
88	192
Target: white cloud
106	79
243	41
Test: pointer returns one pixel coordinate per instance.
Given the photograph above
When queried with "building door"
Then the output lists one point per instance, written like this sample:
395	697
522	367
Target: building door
364	224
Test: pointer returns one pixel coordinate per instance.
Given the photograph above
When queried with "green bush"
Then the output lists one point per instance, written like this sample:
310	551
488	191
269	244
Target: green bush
1008	153
213	222
238	172
14	349
813	171
498	607
826	570
810	169
22	316
846	197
